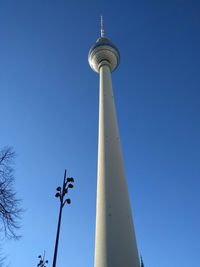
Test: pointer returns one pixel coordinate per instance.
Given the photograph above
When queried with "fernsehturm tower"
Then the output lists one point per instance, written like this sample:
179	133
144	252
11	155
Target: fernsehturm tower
115	242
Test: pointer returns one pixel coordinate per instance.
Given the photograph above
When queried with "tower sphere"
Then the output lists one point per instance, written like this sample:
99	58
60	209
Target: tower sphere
103	52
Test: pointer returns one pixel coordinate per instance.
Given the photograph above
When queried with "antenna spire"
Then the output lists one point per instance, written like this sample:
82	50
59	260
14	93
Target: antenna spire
102	27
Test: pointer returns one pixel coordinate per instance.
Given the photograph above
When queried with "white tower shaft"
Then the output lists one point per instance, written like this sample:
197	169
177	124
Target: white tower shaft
115	242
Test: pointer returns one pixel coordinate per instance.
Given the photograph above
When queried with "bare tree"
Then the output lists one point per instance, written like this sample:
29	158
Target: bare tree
10	210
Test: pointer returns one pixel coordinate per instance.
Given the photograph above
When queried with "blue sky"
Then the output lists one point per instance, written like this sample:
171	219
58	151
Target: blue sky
49	114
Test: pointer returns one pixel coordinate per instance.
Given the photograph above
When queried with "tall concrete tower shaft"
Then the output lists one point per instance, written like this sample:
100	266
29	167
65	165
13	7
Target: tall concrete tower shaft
115	242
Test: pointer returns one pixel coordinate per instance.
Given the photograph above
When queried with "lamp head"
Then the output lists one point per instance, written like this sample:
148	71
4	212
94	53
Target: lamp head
68	200
70	180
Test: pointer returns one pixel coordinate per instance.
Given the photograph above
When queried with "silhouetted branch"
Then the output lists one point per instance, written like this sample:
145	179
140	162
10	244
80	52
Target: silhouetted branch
9	204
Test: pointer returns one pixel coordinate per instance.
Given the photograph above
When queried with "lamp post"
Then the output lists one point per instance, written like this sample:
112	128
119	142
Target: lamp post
61	192
42	262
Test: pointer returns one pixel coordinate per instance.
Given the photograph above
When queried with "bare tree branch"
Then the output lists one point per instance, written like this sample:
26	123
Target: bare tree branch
10	210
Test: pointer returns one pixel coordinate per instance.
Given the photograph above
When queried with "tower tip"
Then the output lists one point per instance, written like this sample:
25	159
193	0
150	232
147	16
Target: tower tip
102	27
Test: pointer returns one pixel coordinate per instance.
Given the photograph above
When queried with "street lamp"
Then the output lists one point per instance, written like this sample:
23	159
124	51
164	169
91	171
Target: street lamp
42	261
61	192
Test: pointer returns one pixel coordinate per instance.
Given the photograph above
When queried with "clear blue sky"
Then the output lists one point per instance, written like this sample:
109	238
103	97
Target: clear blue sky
49	114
